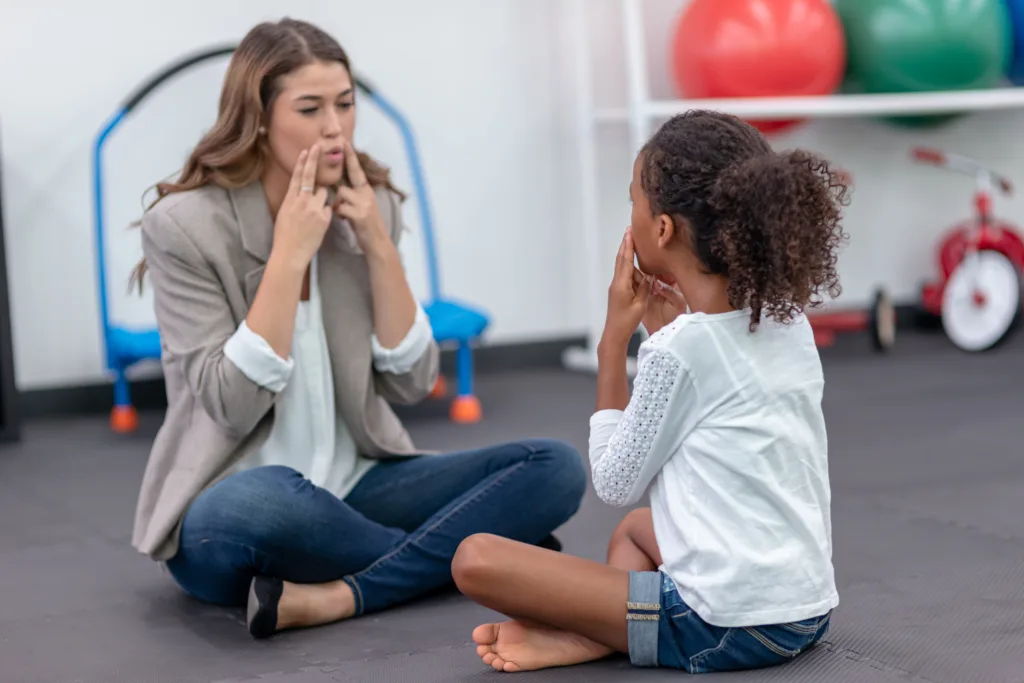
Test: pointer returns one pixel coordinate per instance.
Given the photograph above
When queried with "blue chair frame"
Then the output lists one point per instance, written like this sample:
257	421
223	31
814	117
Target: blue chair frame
453	322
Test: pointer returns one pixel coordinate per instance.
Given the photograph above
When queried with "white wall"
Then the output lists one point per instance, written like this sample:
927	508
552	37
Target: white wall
899	210
474	77
488	86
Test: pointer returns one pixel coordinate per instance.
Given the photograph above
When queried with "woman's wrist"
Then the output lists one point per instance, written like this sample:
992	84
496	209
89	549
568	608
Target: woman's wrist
287	262
272	314
380	250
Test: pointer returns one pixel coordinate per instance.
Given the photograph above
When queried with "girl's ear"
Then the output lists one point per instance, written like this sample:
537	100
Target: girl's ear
666	230
675	228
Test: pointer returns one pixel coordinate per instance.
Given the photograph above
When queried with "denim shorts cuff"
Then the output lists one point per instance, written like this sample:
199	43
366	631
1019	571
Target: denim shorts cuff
643	611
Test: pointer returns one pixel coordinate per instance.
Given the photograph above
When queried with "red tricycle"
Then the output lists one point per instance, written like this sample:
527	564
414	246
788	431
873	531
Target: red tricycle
978	295
878	320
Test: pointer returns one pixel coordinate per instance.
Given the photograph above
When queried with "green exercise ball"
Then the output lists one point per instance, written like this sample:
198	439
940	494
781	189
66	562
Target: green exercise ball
897	46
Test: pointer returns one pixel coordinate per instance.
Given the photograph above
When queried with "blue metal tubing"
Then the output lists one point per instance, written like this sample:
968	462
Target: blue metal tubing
464	368
122	396
418	180
112	123
97	168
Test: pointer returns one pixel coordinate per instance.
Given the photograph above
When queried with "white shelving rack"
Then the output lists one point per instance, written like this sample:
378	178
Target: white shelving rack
641	111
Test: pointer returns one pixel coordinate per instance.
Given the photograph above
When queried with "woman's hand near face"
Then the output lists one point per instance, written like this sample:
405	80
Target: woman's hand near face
299	229
358	205
304	215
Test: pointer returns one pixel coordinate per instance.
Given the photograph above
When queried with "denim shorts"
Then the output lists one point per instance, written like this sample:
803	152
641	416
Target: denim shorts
665	632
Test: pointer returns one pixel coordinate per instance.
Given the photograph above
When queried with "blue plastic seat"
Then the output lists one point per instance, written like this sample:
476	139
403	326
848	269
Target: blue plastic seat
131	346
455	322
458	323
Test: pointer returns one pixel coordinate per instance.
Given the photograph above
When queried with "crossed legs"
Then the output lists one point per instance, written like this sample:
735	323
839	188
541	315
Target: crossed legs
318	559
564	610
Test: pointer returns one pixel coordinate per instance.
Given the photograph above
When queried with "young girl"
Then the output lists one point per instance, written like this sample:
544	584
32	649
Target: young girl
731	566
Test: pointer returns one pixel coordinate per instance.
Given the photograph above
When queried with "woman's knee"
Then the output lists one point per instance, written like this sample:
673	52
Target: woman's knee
269	477
246	506
563	472
257	483
213	572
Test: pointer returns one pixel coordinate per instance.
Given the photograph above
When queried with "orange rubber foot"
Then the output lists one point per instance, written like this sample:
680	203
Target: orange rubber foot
124	419
466	410
440	389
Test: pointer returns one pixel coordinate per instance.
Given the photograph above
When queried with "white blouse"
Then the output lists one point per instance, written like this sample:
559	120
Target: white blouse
309	434
726	429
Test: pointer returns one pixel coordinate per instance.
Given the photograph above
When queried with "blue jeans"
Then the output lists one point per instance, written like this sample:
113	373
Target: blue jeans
392	538
663	631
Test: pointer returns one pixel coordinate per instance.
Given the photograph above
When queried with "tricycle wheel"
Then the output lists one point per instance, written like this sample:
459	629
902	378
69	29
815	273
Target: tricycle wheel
981	306
882	322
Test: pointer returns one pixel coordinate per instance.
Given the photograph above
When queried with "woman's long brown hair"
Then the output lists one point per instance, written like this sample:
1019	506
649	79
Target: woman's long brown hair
232	154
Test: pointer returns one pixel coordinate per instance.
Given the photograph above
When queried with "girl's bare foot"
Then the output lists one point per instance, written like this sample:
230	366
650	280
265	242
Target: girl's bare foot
276	605
514	646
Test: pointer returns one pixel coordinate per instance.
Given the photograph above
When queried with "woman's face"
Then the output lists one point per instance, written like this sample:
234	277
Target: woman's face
316	104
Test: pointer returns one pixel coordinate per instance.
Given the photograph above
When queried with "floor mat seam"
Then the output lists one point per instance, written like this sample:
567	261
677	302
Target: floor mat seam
857	656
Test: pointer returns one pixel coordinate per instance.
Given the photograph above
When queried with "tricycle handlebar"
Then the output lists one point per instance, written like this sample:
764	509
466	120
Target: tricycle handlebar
961	164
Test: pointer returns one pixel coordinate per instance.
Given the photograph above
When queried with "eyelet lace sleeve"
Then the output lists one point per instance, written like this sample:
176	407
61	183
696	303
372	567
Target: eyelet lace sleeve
627	452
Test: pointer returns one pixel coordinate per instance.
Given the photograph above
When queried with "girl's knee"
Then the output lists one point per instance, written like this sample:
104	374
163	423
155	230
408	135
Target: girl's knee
474	559
621	533
638	520
631	528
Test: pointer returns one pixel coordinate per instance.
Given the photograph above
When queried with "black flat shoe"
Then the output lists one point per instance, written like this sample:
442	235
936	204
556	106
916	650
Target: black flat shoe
261	615
551	543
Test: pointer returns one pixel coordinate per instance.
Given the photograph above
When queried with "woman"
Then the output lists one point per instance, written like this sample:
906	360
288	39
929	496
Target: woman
281	478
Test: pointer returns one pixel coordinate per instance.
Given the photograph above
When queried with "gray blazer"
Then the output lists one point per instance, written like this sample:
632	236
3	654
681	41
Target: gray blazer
206	250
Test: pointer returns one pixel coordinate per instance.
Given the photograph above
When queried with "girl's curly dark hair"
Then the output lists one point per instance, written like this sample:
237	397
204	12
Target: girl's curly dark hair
769	222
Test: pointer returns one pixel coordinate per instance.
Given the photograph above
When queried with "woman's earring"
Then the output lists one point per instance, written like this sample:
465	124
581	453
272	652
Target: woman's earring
262	130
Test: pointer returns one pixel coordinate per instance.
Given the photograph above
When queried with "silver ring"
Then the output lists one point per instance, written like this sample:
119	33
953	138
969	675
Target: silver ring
305	188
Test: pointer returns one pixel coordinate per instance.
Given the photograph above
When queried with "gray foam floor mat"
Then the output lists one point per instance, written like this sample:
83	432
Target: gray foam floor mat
928	510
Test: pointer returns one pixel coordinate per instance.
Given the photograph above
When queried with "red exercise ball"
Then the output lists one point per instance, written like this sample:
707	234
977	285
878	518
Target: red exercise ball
759	48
